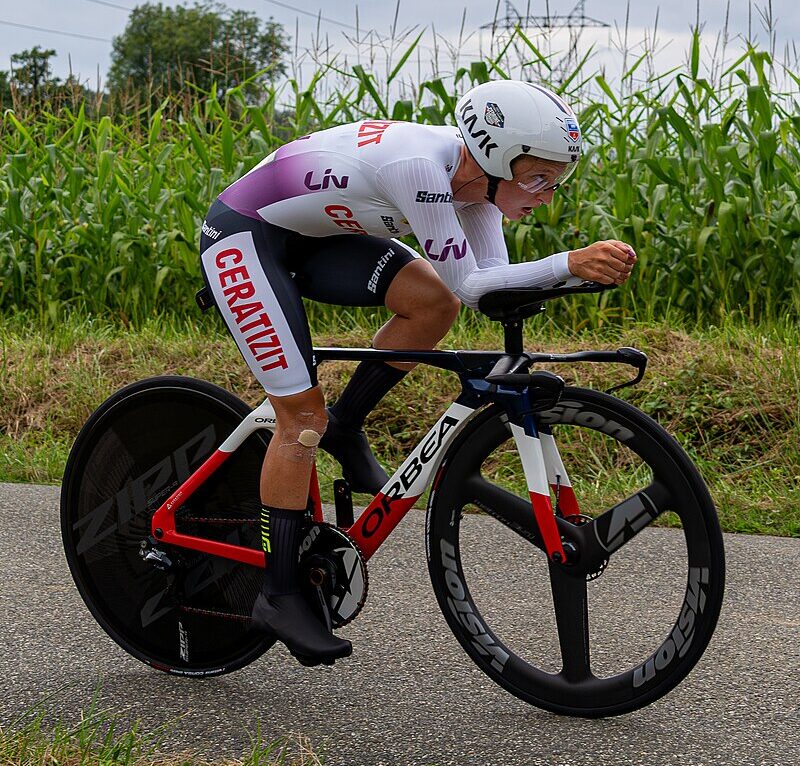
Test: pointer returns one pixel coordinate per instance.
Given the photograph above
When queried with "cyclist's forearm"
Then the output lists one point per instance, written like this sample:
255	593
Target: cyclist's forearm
546	272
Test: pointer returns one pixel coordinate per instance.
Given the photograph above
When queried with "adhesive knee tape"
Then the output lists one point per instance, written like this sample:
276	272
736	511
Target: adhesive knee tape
309	438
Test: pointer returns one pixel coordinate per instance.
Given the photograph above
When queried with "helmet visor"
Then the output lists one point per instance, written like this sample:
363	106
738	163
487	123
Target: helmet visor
542	183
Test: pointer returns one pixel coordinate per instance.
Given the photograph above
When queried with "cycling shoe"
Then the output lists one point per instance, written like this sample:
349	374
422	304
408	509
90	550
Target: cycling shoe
360	469
289	618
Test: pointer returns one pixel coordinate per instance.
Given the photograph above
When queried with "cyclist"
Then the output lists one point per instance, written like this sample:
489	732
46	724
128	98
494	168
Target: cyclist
314	219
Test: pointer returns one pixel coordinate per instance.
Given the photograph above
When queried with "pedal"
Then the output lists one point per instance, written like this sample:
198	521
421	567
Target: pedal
322	580
343	500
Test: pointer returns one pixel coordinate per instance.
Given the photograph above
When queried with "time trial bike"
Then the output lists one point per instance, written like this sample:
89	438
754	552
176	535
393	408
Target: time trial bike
572	545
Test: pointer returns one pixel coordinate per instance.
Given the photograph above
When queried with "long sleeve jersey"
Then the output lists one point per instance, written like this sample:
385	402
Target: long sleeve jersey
391	178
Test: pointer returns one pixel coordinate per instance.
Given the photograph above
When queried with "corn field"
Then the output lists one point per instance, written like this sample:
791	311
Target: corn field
101	213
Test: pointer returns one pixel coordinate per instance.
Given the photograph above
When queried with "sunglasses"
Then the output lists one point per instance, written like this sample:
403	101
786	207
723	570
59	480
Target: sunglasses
539	183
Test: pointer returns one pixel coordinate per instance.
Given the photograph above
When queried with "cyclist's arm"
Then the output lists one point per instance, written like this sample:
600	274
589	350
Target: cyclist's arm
441	236
483	225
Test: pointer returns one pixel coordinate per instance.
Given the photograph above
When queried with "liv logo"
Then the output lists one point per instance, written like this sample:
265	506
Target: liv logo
458	251
327	179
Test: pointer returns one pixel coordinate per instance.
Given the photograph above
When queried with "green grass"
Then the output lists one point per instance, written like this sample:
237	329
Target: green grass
728	393
98	738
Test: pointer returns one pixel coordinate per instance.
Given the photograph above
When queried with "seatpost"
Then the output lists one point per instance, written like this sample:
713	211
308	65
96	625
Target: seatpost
512	336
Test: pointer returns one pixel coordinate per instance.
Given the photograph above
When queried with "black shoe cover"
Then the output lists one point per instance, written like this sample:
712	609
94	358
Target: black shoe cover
289	618
360	469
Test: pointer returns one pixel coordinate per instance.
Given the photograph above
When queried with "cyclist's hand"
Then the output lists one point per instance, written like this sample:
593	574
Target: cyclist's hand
609	262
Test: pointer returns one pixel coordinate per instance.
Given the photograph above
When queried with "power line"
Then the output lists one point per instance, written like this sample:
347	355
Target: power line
313	15
110	5
576	18
54	31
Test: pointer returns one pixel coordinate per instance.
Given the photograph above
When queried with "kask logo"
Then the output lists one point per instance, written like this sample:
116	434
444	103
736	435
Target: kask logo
458	251
470	118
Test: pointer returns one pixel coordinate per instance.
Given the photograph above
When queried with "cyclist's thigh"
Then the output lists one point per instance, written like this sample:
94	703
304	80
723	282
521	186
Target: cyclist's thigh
348	269
243	263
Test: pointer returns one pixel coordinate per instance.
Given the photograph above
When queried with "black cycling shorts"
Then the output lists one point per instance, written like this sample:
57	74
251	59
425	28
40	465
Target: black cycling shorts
258	273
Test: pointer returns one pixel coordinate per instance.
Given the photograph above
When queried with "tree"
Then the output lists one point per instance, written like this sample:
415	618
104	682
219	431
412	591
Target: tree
164	48
31	72
5	90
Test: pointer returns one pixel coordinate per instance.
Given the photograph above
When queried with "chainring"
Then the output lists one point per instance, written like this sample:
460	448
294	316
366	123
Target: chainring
331	561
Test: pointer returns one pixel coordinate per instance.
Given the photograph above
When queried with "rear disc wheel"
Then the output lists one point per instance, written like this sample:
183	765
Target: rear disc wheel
191	618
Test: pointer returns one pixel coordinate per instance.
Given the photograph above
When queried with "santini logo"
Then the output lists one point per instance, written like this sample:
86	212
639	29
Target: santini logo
372	285
210	231
424	195
388	222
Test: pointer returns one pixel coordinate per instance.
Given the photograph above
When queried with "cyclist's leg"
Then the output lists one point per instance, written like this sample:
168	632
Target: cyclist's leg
359	270
424	310
261	306
381	272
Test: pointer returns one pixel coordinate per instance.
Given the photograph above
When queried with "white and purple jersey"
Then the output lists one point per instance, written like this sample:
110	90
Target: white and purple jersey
386	179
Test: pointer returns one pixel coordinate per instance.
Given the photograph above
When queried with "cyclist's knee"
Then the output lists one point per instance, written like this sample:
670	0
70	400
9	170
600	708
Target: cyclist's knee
301	422
441	307
418	293
299	439
450	307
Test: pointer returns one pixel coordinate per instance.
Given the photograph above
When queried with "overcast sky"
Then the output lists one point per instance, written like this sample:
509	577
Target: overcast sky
107	18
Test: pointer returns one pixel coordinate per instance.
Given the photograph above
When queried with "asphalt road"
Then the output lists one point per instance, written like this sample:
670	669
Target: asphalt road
409	695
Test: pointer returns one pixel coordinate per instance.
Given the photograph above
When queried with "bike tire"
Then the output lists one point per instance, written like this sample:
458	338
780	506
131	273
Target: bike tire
134	450
469	544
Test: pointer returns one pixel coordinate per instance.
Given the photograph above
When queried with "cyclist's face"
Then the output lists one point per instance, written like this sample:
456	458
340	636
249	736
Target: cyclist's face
533	185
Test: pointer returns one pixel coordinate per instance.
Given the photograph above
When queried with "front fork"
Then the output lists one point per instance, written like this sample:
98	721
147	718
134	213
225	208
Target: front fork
544	471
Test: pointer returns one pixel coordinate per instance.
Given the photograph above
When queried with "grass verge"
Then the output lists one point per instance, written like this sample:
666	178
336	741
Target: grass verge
728	393
99	739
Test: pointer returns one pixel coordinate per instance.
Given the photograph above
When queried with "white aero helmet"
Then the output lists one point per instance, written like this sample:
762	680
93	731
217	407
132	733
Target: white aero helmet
502	119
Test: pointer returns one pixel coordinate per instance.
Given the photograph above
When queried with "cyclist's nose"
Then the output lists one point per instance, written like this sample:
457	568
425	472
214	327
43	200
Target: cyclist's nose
545	197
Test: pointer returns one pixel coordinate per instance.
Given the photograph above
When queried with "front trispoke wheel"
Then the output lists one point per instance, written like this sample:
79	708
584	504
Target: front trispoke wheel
621	523
632	611
514	512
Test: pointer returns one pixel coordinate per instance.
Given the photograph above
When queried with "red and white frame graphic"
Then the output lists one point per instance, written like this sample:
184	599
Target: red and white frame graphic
540	461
